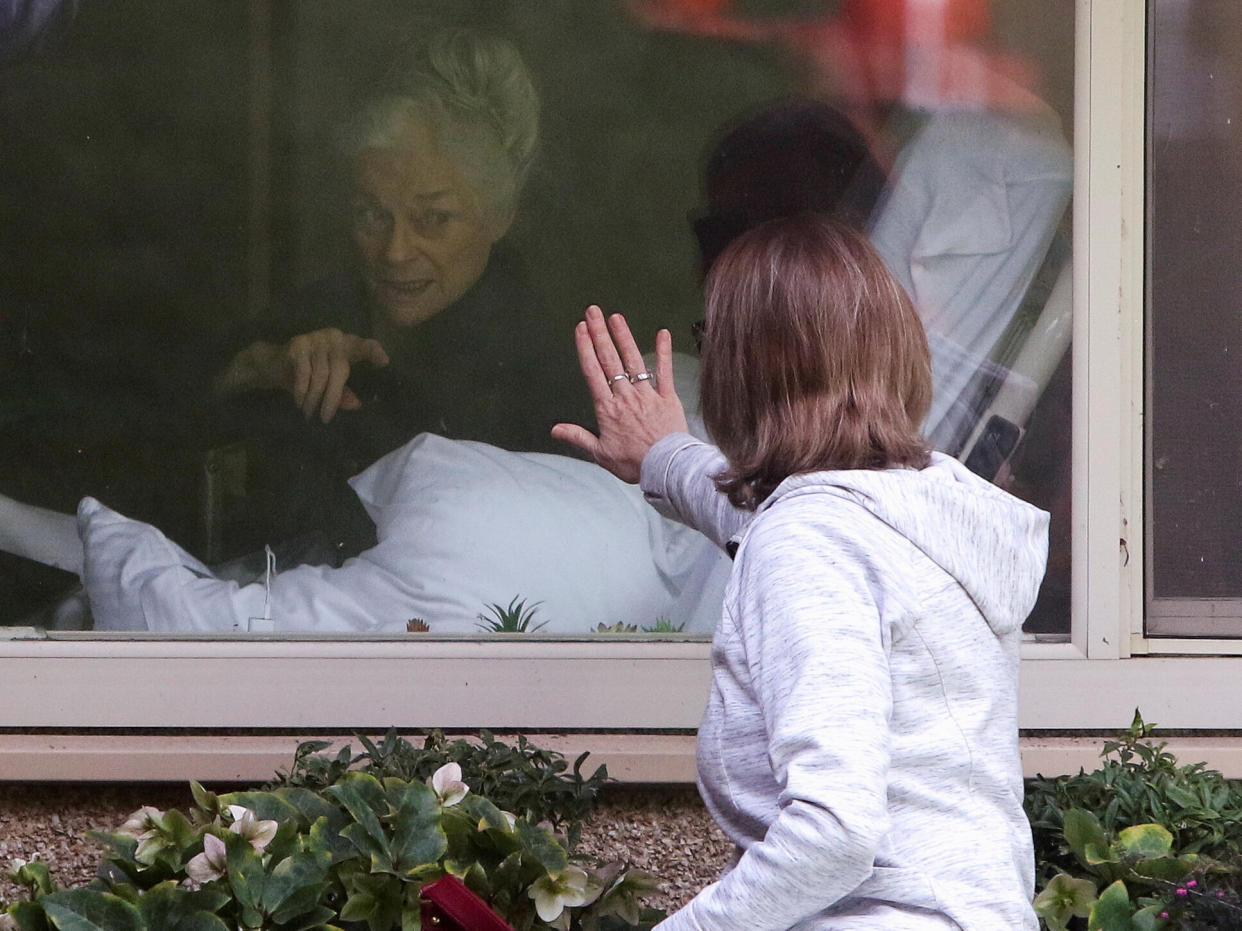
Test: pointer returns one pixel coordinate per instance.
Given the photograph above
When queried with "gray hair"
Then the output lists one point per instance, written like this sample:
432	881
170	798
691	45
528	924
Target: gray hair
475	92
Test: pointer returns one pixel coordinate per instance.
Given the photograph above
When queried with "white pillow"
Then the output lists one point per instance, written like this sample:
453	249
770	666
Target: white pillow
461	525
469	524
138	579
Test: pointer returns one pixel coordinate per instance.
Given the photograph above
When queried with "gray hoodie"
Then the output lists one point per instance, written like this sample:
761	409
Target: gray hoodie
860	745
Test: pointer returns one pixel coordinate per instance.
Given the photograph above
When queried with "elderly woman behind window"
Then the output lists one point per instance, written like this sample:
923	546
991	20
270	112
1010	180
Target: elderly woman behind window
433	327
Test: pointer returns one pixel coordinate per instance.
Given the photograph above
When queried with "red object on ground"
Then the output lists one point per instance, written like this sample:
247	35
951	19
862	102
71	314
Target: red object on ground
447	903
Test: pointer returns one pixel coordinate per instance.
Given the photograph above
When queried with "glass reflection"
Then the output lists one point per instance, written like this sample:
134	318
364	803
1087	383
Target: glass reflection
430	249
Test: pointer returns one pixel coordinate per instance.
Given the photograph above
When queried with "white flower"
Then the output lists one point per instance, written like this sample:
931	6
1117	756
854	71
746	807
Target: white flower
140	822
259	833
447	784
556	891
211	864
17	863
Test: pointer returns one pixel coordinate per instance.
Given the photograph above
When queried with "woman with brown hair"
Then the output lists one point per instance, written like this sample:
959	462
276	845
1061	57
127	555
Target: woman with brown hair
860	741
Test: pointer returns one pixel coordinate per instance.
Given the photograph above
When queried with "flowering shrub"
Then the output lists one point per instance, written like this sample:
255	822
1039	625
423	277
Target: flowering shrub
353	855
1139	844
538	784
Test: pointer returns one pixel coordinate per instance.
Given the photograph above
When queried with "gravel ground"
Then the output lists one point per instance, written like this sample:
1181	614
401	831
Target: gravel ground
666	831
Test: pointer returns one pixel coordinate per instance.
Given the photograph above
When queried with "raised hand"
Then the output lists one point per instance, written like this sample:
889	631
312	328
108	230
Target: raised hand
634	407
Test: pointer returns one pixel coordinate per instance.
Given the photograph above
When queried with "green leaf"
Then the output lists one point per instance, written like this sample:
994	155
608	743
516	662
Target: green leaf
294	886
314	920
417	835
1112	911
1147	918
1145	840
199	921
267	806
481	809
312	806
1169	869
29	916
1082	828
246	875
168	905
1094	854
36	876
542	846
207	801
90	910
359	907
1181	796
364	798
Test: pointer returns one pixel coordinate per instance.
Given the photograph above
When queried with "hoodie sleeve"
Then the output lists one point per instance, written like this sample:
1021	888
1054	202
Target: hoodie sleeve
677	480
808	647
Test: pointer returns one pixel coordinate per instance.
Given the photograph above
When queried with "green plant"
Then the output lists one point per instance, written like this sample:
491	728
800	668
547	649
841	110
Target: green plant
538	784
1140	843
514	619
618	628
352	855
1132	874
1139	782
663	625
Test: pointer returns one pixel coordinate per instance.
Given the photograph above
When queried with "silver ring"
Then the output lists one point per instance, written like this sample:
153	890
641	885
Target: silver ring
641	376
617	378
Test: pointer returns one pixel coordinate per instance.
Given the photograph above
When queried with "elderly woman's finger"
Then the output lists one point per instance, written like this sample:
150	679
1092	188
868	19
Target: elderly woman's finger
320	370
605	351
334	389
301	373
623	339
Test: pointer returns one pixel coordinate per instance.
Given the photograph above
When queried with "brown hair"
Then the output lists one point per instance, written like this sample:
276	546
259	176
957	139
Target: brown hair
814	358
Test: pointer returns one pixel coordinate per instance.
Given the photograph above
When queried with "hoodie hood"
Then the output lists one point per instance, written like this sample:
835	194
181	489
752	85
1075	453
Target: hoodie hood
994	545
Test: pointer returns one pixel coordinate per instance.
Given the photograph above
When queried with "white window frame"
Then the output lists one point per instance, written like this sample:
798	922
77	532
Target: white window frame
85	702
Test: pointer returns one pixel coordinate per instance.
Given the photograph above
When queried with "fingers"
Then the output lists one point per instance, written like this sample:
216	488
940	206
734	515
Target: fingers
300	356
609	361
664	364
349	400
597	381
321	363
631	357
334	388
370	350
577	436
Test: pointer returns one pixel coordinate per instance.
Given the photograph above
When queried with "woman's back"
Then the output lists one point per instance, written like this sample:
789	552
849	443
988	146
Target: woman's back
867	684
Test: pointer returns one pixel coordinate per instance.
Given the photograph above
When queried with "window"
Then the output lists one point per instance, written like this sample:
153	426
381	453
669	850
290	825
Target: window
178	189
1195	87
269	196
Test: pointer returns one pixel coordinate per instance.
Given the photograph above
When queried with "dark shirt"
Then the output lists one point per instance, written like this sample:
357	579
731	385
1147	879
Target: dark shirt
493	367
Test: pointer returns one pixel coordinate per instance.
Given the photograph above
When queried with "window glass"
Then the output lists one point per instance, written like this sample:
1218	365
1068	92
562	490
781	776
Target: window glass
1195	203
251	249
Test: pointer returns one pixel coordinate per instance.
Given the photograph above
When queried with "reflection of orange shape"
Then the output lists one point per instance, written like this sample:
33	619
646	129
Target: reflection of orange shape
695	7
884	21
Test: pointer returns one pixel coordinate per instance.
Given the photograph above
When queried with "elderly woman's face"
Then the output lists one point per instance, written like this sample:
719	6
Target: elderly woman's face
419	227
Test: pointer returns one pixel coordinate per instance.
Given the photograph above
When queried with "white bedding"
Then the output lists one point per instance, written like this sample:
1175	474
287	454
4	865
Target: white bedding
461	525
